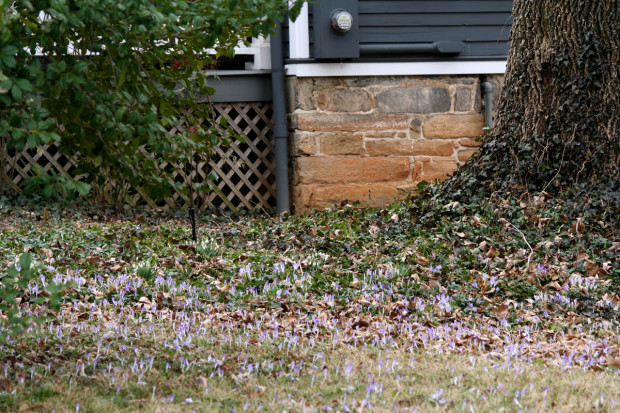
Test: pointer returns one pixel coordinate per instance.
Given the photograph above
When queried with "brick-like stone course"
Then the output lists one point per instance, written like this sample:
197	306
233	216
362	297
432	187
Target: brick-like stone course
433	148
341	143
463	99
469	142
344	100
414	100
464	155
389	147
302	144
437	169
373	139
325	196
454	126
332	169
386	135
329	122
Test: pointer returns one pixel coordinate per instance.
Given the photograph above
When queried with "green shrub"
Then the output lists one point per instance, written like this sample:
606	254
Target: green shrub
107	79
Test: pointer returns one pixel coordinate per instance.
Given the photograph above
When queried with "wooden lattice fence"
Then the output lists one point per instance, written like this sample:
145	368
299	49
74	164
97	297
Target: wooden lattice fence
245	170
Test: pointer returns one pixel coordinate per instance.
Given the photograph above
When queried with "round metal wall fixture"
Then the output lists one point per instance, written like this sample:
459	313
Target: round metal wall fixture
341	20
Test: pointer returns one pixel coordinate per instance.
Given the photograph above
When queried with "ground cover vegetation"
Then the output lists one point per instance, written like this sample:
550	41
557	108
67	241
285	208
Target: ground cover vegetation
416	306
557	129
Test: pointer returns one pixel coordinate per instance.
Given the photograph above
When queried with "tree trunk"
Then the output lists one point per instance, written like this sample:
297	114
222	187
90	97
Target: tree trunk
558	121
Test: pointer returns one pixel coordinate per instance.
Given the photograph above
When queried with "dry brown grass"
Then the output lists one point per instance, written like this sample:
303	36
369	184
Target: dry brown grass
348	378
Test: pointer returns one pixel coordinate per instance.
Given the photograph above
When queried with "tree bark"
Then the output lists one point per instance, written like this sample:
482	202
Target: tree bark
558	121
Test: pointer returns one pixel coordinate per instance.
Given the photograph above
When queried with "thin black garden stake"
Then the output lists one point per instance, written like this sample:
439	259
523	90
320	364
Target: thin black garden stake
192	219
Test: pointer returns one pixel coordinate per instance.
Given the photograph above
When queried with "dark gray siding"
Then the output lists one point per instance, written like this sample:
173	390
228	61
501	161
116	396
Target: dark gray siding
240	86
483	25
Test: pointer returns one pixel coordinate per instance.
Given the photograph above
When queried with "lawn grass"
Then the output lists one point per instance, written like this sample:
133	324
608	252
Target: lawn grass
409	307
371	379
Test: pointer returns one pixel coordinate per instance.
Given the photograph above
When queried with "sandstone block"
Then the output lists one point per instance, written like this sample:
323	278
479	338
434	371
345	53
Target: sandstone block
414	100
330	169
304	96
478	99
424	159
325	196
304	144
454	126
364	81
463	100
437	170
424	81
299	94
341	143
416	172
386	135
344	100
321	82
416	128
389	147
463	80
464	155
469	142
433	148
330	122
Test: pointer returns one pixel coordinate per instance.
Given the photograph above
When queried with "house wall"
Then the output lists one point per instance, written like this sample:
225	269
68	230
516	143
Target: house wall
372	139
483	26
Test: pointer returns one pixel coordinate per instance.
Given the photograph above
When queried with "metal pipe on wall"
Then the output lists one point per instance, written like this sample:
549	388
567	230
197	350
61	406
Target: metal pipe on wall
280	127
487	95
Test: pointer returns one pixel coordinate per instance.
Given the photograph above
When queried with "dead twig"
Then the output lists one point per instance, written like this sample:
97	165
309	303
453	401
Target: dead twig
524	239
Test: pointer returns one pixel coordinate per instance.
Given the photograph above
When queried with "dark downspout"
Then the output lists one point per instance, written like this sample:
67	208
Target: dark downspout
280	127
487	95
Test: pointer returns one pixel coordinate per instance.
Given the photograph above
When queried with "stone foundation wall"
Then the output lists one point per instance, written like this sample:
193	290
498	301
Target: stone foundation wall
373	139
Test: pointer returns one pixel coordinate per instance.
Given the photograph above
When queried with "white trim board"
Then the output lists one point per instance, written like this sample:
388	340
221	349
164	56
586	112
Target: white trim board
396	69
299	37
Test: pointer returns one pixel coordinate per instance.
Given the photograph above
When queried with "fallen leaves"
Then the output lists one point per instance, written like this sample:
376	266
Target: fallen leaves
502	311
453	283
